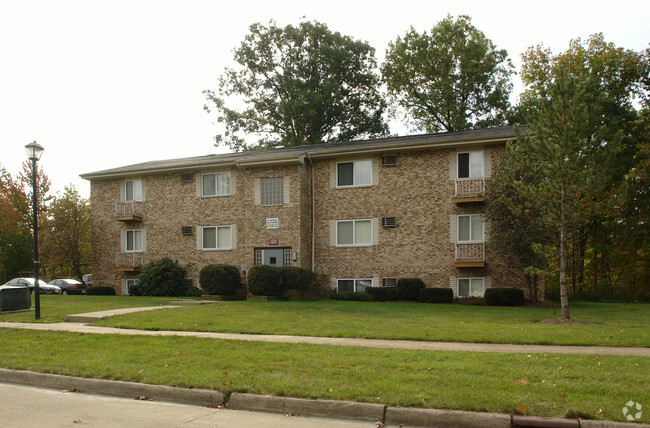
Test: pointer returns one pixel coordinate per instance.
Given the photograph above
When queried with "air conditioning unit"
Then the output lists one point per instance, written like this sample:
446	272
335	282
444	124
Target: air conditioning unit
186	230
388	222
388	161
187	178
389	282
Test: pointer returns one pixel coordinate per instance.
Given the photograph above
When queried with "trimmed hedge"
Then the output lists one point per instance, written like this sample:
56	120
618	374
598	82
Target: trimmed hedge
188	291
361	296
296	278
504	296
220	279
436	295
382	294
265	280
162	277
409	288
100	291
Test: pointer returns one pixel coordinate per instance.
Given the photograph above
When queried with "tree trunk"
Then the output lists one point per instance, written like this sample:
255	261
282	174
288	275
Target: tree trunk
564	300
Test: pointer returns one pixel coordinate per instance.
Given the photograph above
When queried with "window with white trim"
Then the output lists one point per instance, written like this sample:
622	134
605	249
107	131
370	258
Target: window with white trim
133	190
354	285
215	184
354	173
471	228
133	240
130	283
470	287
216	237
353	232
469	164
272	191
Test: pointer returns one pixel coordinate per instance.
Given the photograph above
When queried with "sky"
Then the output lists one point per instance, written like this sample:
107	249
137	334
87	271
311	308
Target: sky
102	84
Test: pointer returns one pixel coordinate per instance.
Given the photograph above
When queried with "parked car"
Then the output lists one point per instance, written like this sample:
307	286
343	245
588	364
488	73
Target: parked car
43	287
69	286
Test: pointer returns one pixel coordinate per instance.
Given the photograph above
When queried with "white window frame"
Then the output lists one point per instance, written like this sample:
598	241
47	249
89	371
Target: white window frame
216	238
354	184
136	188
458	217
281	193
355	283
470	279
216	186
469	167
126	241
354	232
128	283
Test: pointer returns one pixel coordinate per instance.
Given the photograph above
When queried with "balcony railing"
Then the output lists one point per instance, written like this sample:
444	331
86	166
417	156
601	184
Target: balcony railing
129	210
470	188
470	254
129	261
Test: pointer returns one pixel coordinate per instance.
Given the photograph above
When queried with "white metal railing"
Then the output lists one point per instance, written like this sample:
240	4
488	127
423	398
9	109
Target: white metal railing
129	259
470	251
128	208
470	187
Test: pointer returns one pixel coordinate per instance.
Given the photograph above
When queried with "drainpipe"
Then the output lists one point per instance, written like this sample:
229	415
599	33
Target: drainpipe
313	244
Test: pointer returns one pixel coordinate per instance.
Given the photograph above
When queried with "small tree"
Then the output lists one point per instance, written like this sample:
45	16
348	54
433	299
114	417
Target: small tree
220	279
162	277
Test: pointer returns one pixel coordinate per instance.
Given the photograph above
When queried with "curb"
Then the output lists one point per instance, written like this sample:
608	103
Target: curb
302	406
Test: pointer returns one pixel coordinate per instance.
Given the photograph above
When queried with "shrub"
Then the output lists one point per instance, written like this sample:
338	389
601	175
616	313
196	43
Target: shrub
134	290
409	288
220	279
436	295
162	277
297	278
361	296
382	294
265	280
504	296
470	301
100	291
188	291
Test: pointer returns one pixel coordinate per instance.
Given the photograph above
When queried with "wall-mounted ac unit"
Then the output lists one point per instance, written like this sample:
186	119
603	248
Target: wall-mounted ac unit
388	161
187	178
389	282
388	222
186	230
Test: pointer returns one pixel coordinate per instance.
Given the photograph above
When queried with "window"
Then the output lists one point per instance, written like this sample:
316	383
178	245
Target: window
133	240
353	232
215	184
470	228
353	285
356	173
272	191
130	283
470	287
216	238
470	165
133	190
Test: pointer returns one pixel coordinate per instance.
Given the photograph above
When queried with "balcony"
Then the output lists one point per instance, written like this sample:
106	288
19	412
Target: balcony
469	190
128	211
470	254
129	261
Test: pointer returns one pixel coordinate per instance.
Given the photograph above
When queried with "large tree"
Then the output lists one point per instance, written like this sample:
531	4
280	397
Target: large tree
299	85
15	234
451	79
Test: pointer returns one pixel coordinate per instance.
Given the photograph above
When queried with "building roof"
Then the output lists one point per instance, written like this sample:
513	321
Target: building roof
315	151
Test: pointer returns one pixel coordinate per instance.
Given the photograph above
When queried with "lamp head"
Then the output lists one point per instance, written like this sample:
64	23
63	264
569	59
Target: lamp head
34	151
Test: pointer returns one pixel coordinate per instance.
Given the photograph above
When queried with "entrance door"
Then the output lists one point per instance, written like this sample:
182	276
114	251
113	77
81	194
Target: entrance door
274	257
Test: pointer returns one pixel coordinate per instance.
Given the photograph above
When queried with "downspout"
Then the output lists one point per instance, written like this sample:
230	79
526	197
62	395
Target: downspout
313	244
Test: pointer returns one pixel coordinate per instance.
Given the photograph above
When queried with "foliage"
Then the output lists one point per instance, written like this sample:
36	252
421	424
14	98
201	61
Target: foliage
100	291
220	279
188	291
470	301
450	79
301	85
264	280
162	277
297	278
499	296
409	288
353	296
436	295
382	294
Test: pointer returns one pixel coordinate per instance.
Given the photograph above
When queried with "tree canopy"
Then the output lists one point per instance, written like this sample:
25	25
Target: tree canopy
300	85
451	79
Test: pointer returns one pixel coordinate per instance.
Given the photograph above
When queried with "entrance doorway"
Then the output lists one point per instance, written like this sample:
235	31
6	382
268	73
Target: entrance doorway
273	256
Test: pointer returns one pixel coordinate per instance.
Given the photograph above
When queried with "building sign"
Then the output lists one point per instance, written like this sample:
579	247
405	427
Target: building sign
274	242
272	223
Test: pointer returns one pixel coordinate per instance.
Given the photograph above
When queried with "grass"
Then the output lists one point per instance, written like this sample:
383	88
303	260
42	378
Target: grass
594	387
54	308
610	324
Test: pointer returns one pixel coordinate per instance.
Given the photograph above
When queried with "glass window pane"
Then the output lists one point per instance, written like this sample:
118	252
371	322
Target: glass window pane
345	285
223	183
345	233
362	231
463	228
463	287
209	186
128	191
476	164
223	237
477	287
137	190
209	237
272	191
362	172
344	174
137	240
362	284
129	240
463	165
477	228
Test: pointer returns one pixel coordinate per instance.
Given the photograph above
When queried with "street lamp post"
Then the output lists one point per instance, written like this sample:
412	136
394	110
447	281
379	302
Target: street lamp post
34	152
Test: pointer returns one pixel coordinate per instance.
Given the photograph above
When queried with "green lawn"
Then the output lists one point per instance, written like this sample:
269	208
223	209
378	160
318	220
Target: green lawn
594	387
608	324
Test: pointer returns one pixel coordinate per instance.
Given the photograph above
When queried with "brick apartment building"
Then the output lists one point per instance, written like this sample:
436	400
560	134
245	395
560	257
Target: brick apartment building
364	213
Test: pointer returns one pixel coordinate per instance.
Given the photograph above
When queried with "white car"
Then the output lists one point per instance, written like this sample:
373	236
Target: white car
44	288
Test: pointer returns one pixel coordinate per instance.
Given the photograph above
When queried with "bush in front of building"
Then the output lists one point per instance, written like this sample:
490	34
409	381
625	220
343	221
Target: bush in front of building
409	288
436	295
360	296
264	280
100	291
297	278
188	291
162	277
221	280
382	294
499	296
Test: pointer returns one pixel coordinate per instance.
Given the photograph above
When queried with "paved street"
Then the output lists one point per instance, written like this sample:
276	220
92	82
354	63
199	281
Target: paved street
25	406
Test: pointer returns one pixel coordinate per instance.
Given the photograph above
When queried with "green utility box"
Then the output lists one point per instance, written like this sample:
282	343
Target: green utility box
14	298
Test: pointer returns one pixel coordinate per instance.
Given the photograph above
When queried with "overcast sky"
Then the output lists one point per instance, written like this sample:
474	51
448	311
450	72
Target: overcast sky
102	84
